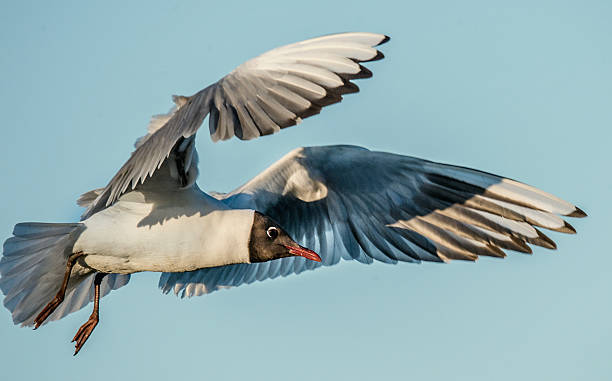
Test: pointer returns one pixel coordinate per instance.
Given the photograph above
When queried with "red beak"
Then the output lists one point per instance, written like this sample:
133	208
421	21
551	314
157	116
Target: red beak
304	252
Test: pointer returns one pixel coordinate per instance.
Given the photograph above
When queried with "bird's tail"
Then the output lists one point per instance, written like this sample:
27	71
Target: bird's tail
33	266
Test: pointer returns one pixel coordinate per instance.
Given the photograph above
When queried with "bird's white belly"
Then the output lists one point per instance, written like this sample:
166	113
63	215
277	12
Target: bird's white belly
133	236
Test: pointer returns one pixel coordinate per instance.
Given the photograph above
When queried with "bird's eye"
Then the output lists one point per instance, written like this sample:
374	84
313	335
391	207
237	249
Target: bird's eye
272	232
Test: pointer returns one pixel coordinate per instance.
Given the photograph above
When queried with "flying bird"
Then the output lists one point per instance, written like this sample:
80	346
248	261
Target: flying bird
312	208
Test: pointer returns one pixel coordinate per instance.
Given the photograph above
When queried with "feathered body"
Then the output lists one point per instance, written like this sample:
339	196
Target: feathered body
345	202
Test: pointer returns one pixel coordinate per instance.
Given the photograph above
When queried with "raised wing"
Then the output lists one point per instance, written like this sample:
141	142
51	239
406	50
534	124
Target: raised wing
273	91
351	203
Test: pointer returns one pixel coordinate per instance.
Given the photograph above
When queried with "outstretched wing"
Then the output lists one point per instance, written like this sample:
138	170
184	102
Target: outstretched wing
351	203
273	91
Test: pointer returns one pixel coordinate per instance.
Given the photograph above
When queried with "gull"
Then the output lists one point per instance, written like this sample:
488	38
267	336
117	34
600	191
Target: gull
312	208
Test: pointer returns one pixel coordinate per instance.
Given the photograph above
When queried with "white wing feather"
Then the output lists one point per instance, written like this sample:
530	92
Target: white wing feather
260	97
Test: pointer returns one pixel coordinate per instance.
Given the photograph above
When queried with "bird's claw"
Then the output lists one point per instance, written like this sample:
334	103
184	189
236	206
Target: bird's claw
84	332
48	310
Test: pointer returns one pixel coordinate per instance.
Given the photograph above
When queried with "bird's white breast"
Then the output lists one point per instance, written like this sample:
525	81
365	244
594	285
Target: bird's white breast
183	231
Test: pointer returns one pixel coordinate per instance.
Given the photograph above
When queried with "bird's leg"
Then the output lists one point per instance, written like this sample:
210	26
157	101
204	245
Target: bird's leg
86	329
59	297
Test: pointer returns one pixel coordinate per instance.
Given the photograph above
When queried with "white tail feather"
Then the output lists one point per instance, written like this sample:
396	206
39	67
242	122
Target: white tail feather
32	268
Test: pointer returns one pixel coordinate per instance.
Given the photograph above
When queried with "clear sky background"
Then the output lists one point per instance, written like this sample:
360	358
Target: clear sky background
513	88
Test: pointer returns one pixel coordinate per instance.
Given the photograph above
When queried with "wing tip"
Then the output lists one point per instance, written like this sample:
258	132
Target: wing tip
385	39
577	213
519	246
566	228
496	252
379	56
543	241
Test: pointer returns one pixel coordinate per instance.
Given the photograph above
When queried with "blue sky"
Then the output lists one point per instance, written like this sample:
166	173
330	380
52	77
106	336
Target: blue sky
512	88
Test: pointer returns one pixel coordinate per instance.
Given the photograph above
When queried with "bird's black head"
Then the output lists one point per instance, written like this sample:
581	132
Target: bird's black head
269	241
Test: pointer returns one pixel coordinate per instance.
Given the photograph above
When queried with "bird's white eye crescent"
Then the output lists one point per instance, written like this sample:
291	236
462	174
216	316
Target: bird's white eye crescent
272	232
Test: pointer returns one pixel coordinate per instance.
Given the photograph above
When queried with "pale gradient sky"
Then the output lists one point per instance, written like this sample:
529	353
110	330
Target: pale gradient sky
512	88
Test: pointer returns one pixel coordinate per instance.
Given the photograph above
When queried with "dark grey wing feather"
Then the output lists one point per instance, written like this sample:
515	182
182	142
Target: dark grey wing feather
351	203
260	97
